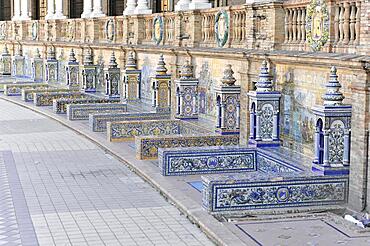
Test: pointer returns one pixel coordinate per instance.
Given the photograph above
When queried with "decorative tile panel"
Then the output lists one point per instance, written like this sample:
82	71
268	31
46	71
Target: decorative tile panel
82	111
98	122
222	193
185	161
46	98
27	94
60	105
16	89
147	147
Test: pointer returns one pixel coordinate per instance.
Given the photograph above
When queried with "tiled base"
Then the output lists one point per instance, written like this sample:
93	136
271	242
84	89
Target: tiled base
82	111
27	94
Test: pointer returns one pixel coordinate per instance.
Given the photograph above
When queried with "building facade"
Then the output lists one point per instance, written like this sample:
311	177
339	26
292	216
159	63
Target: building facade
300	40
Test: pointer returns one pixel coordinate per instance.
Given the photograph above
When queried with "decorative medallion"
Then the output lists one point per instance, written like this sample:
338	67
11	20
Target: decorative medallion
110	30
282	194
158	29
222	28
317	24
34	30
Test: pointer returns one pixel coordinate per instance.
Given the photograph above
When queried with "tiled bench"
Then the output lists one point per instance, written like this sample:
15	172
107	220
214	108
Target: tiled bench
252	191
27	94
16	89
12	82
147	146
46	98
200	160
60	105
98	122
127	130
82	111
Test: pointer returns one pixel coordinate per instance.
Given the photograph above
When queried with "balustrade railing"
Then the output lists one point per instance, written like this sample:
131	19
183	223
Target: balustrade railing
244	26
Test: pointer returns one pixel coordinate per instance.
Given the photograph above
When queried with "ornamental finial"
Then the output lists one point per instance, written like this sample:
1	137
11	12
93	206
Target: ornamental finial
5	50
161	67
112	62
264	83
72	56
228	78
51	54
332	95
88	59
131	62
37	53
186	71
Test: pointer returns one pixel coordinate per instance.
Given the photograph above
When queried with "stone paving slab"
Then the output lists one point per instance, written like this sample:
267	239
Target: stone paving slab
182	191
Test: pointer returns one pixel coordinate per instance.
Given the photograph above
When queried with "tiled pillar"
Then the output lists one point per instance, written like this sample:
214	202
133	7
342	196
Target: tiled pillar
130	7
97	12
59	10
17	10
87	9
51	10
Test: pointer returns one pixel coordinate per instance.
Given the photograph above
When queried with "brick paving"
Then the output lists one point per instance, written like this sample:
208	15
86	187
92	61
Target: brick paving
58	188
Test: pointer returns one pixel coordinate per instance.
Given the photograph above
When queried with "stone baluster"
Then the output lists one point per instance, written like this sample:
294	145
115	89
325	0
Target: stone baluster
130	7
251	124
59	10
290	28
286	26
336	23
352	23
341	22
299	24
25	10
51	10
97	12
346	140
346	22
294	25
317	145
358	22
326	148
17	10
303	25
142	7
87	9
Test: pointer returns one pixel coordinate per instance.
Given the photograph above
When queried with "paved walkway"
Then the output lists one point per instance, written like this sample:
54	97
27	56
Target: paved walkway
58	188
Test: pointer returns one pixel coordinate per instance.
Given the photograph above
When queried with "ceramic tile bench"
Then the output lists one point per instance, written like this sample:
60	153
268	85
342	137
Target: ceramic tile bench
82	111
60	105
27	94
98	122
128	130
254	190
46	98
147	146
12	82
16	89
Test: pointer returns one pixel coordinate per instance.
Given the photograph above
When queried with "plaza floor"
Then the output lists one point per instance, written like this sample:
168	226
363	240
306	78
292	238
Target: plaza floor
60	186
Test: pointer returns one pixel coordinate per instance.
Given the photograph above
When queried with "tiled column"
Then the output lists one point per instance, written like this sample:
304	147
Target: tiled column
51	10
97	12
142	7
130	7
25	10
200	4
87	9
59	10
17	10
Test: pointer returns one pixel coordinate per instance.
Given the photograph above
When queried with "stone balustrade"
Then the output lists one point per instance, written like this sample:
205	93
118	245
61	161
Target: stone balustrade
269	25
